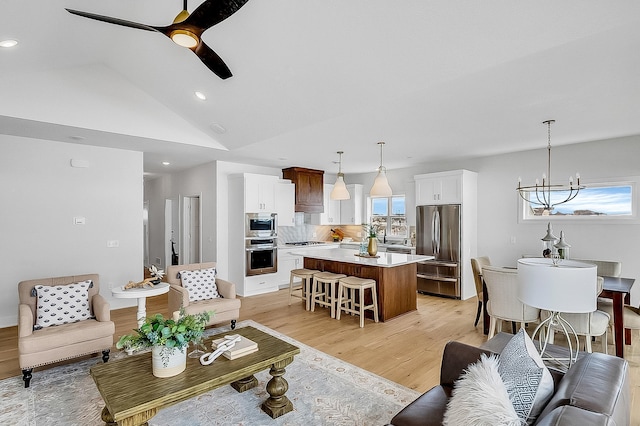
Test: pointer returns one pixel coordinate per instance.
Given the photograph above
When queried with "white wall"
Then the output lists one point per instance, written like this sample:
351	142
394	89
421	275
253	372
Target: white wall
41	194
209	181
498	201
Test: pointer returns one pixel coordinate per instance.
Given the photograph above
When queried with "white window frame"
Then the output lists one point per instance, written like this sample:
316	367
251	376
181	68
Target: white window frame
632	181
389	215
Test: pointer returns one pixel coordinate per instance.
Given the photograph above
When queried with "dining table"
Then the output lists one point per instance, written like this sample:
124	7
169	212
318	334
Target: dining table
617	289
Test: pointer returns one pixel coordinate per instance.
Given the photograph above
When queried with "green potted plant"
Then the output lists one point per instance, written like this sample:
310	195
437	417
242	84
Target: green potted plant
168	340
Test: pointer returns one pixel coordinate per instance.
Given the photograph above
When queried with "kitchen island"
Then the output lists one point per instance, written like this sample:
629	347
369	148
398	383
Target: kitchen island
395	275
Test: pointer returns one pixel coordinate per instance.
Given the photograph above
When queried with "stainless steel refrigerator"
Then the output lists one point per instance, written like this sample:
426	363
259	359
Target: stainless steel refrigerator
438	234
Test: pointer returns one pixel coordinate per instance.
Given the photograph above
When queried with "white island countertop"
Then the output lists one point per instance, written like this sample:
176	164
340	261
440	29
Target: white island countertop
386	260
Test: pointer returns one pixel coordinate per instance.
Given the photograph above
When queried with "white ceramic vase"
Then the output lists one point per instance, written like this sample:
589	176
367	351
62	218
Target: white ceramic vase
168	362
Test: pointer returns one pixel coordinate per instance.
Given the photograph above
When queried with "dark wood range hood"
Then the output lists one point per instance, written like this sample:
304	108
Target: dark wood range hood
309	188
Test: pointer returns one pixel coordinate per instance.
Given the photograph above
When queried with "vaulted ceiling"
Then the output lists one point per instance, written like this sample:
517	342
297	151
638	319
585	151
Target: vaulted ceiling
435	80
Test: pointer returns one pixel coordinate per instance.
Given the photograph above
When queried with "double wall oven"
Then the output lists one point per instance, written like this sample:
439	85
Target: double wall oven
261	244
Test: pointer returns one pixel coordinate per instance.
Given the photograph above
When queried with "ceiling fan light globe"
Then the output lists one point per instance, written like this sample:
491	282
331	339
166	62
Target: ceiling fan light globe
184	38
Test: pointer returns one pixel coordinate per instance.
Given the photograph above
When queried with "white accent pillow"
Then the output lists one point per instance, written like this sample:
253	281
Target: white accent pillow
62	304
201	284
527	379
480	398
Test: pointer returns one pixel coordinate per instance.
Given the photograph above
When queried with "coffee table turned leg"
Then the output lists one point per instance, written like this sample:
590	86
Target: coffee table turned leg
278	404
245	384
139	419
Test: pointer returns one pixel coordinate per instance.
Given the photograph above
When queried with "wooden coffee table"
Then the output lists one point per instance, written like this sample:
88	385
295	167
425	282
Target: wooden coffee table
133	395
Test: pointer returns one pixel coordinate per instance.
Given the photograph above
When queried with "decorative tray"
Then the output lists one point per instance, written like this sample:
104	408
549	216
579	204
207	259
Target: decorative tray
366	255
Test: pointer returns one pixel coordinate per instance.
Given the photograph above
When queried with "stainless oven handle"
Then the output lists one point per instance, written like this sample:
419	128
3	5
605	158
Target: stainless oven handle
261	249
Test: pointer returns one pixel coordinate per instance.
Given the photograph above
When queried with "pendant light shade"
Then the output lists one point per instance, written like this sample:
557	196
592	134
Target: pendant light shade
339	191
381	186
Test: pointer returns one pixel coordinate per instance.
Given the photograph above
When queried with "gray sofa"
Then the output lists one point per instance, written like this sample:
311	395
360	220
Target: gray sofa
595	390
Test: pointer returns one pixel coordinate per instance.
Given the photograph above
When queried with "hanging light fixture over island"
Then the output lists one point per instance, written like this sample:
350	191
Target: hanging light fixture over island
381	186
339	191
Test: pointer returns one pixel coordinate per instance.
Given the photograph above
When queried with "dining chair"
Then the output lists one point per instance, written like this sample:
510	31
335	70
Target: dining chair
610	269
503	304
476	266
589	325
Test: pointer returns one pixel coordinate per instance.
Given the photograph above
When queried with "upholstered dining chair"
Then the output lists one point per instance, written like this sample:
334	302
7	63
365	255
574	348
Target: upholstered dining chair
203	293
503	304
592	324
61	318
476	266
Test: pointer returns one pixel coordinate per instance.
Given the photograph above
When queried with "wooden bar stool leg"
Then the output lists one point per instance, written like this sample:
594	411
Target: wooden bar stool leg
361	292
291	277
374	298
339	303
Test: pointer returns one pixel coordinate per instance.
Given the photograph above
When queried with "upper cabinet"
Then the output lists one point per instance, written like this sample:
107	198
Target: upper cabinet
331	213
309	194
285	200
259	193
439	188
351	209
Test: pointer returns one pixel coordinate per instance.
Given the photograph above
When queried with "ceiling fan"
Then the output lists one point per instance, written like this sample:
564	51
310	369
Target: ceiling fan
186	29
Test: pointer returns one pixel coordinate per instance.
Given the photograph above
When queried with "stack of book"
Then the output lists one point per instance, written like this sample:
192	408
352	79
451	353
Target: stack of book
243	347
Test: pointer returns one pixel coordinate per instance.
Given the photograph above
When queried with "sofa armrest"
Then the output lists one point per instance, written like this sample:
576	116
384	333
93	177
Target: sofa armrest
25	320
226	289
598	383
101	308
178	298
455	359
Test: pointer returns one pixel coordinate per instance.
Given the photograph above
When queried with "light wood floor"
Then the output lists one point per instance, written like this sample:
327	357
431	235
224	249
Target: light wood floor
406	350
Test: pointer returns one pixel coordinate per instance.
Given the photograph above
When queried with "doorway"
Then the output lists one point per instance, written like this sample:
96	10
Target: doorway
191	230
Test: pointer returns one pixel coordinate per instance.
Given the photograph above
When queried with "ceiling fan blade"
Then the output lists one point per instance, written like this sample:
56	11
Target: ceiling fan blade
212	60
212	12
111	20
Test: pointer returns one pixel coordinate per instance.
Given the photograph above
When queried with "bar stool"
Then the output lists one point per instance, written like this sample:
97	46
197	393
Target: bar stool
304	285
323	289
359	285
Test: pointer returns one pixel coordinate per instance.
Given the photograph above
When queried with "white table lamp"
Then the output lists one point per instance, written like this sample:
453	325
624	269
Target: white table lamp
569	287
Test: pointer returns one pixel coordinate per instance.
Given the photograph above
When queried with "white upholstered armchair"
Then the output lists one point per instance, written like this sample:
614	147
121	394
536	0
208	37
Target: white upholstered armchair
503	304
226	308
50	331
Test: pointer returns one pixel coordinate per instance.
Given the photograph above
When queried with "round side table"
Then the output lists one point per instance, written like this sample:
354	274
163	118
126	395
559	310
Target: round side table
141	294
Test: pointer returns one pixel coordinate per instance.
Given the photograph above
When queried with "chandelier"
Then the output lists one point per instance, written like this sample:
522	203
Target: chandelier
546	195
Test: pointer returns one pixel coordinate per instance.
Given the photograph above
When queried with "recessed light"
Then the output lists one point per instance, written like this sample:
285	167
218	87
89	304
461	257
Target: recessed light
200	96
8	43
165	163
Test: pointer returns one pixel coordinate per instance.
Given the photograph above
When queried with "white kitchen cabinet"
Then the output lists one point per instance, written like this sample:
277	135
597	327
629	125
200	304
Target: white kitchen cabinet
351	210
285	193
331	214
439	188
259	193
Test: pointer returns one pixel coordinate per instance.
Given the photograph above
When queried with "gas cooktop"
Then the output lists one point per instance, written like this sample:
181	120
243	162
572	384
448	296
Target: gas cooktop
305	243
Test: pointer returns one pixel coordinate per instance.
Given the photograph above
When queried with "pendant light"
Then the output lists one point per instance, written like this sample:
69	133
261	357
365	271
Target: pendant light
339	191
547	196
381	186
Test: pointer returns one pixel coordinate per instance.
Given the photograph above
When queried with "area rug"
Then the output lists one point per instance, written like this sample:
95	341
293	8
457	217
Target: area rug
324	391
